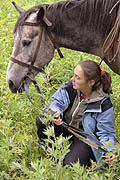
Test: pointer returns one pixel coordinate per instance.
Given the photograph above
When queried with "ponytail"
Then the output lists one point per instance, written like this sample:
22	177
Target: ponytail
106	81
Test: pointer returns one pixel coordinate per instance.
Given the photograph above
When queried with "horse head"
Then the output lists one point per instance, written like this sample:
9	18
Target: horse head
32	49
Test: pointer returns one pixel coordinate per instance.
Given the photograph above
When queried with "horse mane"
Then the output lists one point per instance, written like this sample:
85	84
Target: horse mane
92	13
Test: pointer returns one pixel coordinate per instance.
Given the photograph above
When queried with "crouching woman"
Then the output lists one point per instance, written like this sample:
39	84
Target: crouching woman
84	102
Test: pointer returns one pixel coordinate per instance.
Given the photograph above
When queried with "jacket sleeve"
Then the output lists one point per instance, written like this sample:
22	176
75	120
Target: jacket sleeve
60	100
105	128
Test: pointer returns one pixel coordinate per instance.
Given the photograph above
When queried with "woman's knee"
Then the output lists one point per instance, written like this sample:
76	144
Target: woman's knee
79	151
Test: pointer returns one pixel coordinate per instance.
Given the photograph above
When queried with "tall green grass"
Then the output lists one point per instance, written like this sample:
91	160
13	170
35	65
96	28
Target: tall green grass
19	155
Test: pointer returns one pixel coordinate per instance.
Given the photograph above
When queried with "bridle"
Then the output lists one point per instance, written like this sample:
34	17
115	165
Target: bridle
31	66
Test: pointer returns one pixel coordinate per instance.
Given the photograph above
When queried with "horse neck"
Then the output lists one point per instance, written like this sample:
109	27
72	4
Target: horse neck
83	40
80	39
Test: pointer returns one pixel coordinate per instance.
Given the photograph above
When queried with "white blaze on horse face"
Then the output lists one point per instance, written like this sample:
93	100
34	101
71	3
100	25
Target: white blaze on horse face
25	42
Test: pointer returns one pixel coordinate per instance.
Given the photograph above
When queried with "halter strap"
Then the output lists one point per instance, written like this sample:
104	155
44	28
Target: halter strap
31	24
36	50
25	64
54	43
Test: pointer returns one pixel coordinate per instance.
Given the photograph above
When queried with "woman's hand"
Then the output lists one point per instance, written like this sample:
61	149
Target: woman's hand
57	120
109	158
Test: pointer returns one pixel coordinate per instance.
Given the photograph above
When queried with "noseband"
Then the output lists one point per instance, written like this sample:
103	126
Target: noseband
31	66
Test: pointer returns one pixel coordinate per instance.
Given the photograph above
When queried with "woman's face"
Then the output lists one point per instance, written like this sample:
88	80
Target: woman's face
78	80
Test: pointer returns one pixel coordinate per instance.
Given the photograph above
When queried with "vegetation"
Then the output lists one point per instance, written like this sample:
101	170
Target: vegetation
20	157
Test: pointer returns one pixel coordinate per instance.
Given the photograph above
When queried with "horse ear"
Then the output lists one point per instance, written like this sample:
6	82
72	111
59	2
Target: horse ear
41	15
19	9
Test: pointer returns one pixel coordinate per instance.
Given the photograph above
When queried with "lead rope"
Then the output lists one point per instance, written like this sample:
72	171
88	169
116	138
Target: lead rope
26	88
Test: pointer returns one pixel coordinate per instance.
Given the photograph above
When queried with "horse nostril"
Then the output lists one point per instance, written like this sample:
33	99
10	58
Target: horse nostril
10	83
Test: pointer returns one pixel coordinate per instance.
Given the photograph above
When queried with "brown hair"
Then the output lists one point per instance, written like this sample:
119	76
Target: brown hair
92	71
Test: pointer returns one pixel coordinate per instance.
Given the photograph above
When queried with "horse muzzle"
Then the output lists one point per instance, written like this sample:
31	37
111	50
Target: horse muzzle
19	88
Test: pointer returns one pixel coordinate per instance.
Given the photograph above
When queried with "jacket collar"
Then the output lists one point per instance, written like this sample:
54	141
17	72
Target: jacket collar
97	95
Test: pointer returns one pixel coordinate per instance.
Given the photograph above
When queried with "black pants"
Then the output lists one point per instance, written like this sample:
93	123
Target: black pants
78	149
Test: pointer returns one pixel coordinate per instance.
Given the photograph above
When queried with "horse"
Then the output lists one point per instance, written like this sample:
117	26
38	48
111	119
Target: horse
90	26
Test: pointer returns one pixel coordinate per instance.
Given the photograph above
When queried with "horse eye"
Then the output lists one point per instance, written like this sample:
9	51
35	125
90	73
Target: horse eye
26	42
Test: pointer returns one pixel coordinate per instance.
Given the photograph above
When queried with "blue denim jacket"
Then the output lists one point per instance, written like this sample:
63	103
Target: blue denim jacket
92	118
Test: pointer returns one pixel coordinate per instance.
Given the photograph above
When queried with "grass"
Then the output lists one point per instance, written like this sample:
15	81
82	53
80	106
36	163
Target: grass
19	155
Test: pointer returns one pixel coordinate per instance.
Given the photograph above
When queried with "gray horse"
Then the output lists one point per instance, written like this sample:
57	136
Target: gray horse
90	26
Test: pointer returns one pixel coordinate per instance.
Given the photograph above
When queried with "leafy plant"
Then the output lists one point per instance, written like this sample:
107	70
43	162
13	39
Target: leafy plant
20	157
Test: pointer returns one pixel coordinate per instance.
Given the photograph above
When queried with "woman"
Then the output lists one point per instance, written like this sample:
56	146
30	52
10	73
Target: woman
84	102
